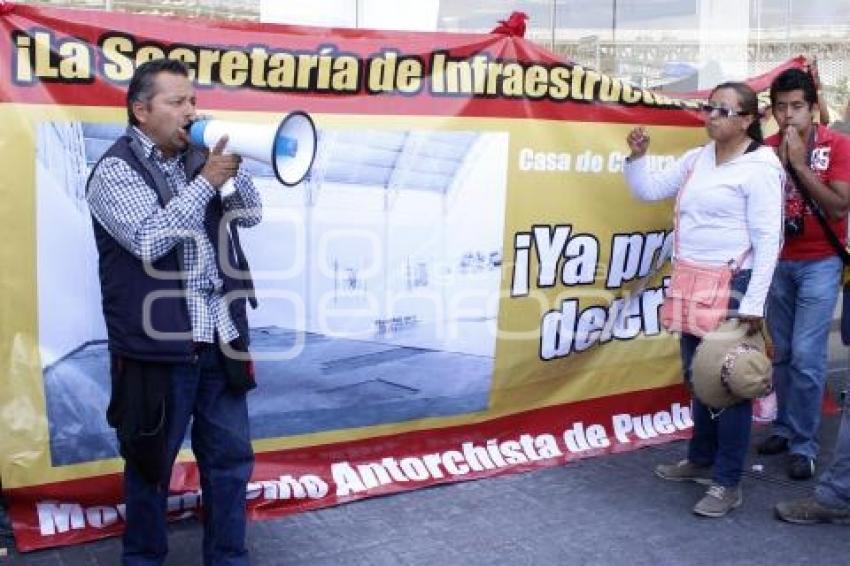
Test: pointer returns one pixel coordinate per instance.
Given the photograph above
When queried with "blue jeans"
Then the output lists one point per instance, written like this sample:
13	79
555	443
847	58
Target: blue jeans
799	313
833	489
719	439
222	446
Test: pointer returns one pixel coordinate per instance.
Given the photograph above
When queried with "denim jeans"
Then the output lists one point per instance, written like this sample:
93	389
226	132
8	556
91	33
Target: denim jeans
833	489
719	439
799	313
222	446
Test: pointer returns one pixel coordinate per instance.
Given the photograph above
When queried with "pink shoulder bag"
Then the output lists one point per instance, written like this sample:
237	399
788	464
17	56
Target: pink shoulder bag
697	299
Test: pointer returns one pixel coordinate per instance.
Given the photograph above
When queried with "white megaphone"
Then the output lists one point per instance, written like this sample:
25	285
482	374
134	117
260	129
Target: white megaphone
289	147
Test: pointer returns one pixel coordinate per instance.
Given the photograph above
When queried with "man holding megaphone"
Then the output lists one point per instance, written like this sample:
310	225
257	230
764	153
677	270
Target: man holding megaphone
174	282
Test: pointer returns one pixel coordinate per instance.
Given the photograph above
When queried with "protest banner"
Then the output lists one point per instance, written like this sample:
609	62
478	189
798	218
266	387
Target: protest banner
462	287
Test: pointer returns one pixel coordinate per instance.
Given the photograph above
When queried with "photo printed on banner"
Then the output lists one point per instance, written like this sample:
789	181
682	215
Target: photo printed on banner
377	278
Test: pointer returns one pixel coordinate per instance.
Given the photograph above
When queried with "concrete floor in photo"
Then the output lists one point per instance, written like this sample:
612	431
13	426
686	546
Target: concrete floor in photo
333	383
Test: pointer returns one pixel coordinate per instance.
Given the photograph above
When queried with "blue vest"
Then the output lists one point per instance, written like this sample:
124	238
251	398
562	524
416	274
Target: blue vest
125	283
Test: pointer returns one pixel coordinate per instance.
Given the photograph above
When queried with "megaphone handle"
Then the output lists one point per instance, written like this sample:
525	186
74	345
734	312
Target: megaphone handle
228	188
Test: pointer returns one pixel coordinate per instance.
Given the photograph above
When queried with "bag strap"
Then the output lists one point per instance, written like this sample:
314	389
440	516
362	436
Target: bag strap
734	264
679	194
833	238
242	263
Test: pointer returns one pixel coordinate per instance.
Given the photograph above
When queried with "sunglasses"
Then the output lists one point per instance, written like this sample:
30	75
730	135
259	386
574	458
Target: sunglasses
720	111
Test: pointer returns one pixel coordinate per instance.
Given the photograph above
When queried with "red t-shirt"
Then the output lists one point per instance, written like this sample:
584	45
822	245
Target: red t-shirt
831	162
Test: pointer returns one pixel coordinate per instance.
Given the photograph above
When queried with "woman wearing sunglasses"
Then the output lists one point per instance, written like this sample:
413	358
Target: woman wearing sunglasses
729	212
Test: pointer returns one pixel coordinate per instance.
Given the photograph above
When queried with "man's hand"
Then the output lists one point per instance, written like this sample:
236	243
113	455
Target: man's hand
793	148
220	166
638	140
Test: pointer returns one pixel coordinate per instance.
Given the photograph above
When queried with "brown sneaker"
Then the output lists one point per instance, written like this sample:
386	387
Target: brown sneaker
684	471
807	511
719	500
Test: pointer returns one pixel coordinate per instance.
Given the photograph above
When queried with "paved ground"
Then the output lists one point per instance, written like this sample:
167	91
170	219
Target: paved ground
607	510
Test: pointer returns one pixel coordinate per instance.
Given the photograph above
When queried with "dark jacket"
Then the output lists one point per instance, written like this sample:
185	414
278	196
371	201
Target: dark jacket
125	282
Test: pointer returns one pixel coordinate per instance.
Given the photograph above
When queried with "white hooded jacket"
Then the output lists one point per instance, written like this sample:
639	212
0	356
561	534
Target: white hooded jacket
725	210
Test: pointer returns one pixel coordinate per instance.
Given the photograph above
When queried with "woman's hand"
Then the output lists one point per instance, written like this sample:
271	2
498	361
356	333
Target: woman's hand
752	323
638	140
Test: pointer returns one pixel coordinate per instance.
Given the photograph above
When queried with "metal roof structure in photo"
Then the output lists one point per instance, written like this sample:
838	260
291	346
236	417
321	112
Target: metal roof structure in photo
422	160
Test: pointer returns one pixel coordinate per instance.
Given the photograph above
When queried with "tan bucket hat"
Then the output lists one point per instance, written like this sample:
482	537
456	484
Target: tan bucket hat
730	366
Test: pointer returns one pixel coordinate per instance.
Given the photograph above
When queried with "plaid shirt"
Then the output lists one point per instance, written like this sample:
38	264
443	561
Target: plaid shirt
129	210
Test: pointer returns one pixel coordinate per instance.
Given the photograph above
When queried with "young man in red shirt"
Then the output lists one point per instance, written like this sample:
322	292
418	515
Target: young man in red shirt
806	281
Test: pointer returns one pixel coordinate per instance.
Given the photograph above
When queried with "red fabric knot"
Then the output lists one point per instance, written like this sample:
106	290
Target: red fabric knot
6	7
513	26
